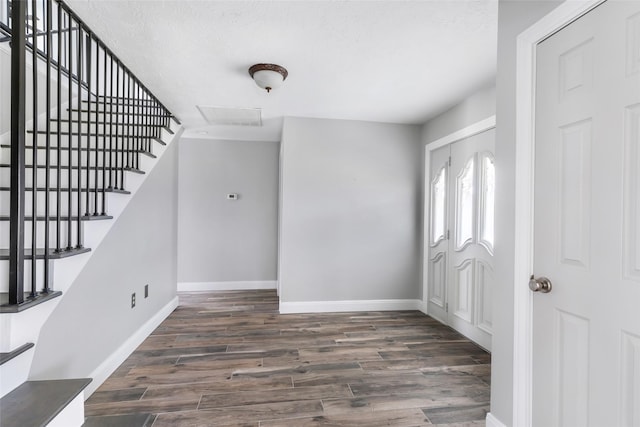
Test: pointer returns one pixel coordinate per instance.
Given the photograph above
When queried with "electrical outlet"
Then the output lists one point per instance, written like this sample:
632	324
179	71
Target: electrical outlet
146	291
133	300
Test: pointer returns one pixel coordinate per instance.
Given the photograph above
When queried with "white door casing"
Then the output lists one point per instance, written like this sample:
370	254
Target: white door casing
586	334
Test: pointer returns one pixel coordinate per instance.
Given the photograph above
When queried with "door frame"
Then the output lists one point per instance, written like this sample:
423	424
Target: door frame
466	132
527	41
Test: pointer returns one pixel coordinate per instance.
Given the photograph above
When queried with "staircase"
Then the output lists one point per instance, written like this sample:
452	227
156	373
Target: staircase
84	132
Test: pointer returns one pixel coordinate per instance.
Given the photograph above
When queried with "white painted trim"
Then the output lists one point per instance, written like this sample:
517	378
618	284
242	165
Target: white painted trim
357	305
71	415
524	202
227	286
111	363
15	371
466	132
492	421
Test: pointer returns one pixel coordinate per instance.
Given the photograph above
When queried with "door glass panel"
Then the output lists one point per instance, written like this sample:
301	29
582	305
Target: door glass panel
464	205
438	206
488	200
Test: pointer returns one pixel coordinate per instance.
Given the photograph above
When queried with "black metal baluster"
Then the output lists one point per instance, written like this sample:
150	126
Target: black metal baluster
47	161
79	58
34	157
117	124
104	138
111	133
124	127
129	121
59	137
97	130
17	195
136	154
69	57
87	62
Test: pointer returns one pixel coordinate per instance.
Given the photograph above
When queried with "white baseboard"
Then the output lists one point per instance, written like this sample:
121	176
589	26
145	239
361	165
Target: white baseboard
106	368
342	306
492	421
227	286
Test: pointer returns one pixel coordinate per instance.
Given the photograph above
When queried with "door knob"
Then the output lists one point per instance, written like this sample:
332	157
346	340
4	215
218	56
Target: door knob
541	284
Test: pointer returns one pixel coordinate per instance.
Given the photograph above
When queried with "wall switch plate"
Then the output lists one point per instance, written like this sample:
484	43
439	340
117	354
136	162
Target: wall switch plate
146	291
233	196
133	300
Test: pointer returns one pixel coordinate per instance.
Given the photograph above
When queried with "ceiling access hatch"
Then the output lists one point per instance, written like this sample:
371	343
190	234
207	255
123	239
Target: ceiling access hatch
229	116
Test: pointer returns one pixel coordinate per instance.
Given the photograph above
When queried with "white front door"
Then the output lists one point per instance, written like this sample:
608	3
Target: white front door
461	236
586	330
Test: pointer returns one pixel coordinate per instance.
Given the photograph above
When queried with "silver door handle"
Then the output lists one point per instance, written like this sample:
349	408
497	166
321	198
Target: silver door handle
541	284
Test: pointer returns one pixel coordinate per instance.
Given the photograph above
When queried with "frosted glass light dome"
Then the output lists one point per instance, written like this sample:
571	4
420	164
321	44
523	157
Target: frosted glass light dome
268	76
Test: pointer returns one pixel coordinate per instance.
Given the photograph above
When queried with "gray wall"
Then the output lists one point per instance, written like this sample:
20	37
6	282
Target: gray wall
514	17
220	240
350	211
478	106
95	316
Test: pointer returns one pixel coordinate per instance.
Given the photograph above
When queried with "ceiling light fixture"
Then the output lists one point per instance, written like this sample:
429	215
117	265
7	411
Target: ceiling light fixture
268	76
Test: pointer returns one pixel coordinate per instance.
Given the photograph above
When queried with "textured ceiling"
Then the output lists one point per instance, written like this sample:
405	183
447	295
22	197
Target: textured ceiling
386	61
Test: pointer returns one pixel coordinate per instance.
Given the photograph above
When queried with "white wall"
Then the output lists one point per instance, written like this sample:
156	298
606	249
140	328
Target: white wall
95	316
513	18
477	107
222	240
350	211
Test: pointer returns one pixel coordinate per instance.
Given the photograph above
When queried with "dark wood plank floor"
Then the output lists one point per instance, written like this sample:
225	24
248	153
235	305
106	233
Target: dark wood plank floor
229	359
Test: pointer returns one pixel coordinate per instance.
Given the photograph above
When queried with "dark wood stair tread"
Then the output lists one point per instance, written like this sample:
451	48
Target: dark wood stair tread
93	168
74	190
62	218
99	135
29	302
65	253
36	403
55	147
121	113
7	356
129	420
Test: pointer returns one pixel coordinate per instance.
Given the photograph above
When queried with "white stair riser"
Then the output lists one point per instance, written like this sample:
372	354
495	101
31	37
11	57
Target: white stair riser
40	234
112	126
103	157
41	174
4	266
64	203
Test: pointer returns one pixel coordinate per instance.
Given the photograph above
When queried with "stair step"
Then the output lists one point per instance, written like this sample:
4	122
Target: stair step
36	403
129	420
124	98
65	253
74	190
42	147
127	169
91	122
99	135
5	357
62	218
29	302
121	113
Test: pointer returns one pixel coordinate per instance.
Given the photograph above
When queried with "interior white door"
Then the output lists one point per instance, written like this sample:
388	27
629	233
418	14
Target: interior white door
438	256
471	218
586	337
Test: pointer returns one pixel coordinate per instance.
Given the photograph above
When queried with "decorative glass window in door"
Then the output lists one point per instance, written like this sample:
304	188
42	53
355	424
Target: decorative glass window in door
487	192
464	208
438	206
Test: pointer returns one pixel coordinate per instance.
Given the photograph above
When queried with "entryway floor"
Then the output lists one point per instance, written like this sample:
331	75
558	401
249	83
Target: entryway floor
229	359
